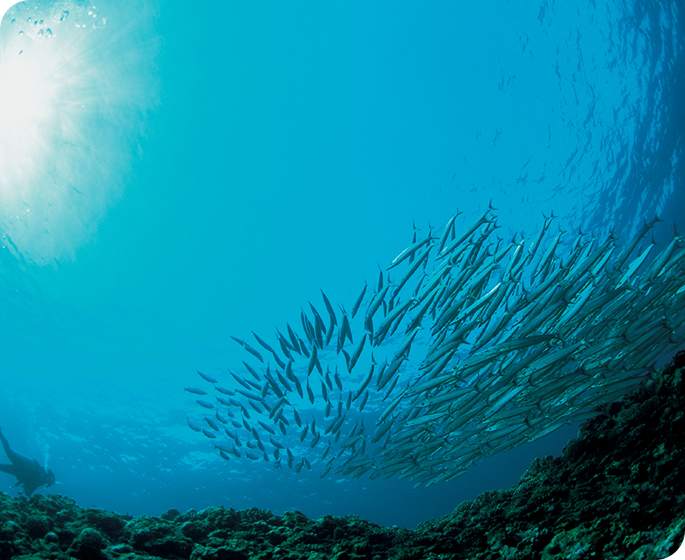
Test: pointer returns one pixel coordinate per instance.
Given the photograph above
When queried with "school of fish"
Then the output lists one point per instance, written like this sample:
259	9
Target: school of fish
466	346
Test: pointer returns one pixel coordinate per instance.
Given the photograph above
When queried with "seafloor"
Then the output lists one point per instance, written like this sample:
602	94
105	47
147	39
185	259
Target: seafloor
616	492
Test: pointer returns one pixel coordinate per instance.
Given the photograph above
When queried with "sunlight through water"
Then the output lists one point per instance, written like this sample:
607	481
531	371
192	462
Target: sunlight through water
76	84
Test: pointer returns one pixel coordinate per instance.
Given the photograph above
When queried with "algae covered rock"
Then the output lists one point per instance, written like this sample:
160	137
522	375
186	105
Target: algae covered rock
88	545
221	553
157	537
109	524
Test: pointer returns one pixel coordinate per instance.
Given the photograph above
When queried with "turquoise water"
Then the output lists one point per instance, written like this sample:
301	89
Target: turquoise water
171	176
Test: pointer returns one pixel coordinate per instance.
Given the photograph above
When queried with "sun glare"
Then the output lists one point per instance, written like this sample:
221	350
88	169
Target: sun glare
27	105
26	93
76	84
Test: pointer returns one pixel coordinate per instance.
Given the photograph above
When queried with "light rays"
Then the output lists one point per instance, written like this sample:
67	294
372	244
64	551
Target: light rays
76	84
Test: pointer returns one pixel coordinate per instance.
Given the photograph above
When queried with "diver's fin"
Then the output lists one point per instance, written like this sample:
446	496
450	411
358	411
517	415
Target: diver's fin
9	469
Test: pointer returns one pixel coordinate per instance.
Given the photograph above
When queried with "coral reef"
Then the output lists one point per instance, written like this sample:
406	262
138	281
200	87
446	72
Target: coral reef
616	492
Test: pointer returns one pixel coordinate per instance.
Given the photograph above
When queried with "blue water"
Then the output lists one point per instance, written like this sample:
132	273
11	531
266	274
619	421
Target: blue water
172	175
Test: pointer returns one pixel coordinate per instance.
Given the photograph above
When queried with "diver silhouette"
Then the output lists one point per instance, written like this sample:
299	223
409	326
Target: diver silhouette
26	470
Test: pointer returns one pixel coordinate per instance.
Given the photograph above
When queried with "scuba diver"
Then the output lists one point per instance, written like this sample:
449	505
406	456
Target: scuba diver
27	471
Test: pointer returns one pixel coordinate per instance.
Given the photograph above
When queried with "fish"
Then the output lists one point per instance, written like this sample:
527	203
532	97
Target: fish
630	247
467	232
307	327
195	391
362	403
276	444
207	377
267	427
249	395
329	308
479	346
248	348
252	371
358	302
246	413
389	372
293	339
285	343
274	386
357	353
223	401
192	425
298	386
410	272
376	303
241	381
303	348
223	448
212	424
390	318
449	229
263	343
313	361
409	251
284	383
310	393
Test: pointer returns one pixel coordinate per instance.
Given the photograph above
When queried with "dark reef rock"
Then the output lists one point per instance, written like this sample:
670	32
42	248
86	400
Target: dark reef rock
616	492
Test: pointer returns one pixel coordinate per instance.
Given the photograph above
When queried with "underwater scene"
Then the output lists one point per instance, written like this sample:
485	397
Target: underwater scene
341	281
